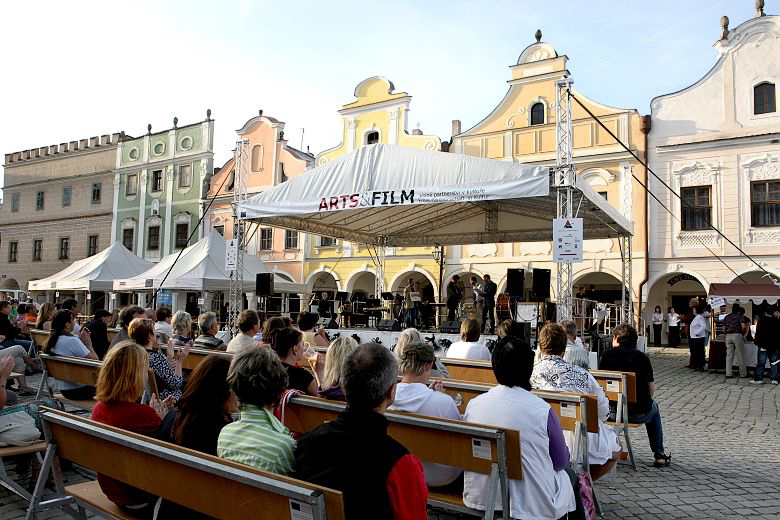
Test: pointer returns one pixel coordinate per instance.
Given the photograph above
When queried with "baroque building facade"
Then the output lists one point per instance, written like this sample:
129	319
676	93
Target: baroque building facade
159	181
717	144
523	128
57	207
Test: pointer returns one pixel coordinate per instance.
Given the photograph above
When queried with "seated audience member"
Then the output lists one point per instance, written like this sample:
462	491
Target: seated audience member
62	343
31	316
45	314
413	395
354	454
73	305
261	322
120	385
509	328
182	328
553	373
6	366
167	367
339	349
98	332
209	327
163	325
114	321
468	346
126	315
624	357
20	360
248	324
307	321
288	345
11	328
204	408
413	335
258	379
271	325
546	489
572	340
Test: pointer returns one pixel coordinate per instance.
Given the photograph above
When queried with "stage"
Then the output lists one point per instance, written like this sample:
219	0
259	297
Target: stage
389	339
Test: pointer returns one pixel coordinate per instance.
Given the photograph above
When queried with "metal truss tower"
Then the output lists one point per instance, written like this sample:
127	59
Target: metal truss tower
236	298
564	183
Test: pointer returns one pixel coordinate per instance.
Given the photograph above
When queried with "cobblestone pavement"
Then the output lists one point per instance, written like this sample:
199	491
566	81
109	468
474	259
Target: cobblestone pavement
724	436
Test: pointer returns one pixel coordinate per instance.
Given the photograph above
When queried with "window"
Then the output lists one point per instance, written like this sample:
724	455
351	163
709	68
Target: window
537	114
372	137
39	200
14	202
185	176
66	193
153	244
764	98
765	203
603	194
257	158
13	248
92	245
64	248
282	175
131	188
290	239
127	238
182	234
157	180
327	242
231	181
37	250
220	230
97	187
266	239
696	208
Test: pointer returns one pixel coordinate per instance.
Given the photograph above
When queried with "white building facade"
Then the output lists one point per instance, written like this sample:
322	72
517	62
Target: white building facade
717	144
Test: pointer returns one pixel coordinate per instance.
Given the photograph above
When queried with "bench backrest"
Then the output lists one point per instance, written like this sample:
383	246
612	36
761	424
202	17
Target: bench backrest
197	355
457	443
468	370
39	337
615	383
201	482
111	334
569	407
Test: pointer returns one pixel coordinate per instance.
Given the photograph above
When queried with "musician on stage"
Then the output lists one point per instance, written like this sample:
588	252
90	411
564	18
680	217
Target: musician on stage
454	295
325	306
479	300
411	311
488	292
345	313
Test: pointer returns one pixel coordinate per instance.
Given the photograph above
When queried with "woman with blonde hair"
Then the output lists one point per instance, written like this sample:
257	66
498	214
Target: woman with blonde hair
167	367
412	335
182	327
120	385
469	346
338	351
45	315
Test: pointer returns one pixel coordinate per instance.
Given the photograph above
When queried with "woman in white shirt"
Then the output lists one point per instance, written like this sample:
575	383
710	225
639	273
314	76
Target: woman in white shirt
469	347
415	396
673	322
61	342
658	325
700	328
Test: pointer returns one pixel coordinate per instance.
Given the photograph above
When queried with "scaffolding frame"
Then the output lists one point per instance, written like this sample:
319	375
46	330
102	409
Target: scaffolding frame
236	297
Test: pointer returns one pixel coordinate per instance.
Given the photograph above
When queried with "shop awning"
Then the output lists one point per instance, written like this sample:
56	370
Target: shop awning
743	293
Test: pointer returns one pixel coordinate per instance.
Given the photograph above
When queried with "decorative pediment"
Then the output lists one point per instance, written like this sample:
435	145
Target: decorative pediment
763	167
154	220
183	217
596	176
697	174
128	223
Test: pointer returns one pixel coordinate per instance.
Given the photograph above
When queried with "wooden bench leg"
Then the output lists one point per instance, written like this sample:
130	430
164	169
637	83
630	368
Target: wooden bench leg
491	503
628	436
40	485
7	482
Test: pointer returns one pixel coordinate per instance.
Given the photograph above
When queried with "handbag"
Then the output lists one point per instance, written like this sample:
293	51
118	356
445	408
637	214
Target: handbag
586	493
18	429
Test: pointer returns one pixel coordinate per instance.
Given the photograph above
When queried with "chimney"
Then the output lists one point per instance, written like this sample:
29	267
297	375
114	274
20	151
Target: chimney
9	157
53	149
83	144
105	139
456	127
63	147
74	145
93	142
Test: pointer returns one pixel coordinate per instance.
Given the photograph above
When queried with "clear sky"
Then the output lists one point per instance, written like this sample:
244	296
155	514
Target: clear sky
73	70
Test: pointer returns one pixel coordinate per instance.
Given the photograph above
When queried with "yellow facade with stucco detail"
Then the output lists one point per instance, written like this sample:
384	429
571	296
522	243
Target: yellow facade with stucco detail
378	115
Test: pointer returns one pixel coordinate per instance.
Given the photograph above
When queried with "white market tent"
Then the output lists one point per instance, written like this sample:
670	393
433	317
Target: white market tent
201	267
743	293
95	273
394	196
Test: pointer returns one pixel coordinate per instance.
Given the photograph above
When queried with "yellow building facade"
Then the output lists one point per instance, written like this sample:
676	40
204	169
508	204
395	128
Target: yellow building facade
378	115
523	128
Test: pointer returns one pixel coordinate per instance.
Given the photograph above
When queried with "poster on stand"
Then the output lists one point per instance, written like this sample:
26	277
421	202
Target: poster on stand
567	240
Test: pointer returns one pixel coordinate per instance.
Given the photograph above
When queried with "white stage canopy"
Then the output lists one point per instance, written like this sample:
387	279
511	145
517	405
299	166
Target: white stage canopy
95	273
395	196
201	267
743	293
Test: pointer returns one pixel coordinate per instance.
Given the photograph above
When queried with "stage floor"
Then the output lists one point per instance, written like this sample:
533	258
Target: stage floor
389	339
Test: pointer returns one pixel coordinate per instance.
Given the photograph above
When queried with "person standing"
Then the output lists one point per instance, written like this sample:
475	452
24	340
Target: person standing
673	324
734	327
699	330
479	300
411	311
324	307
765	338
658	325
489	290
454	295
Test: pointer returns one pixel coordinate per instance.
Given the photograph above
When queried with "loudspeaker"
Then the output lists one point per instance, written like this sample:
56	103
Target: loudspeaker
541	285
551	312
451	327
388	326
525	329
328	323
264	284
515	283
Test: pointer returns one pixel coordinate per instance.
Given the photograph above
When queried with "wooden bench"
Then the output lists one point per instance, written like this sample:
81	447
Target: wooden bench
197	355
469	370
437	440
620	387
81	371
204	483
111	334
12	451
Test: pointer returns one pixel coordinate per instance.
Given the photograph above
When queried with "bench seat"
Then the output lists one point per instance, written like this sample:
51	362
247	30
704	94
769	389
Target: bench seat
90	493
12	451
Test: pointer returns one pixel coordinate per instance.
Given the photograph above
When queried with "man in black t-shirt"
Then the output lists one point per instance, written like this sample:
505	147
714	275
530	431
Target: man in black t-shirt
624	357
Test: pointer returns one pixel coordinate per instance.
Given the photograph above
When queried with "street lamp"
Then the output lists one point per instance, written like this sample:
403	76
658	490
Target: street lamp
438	256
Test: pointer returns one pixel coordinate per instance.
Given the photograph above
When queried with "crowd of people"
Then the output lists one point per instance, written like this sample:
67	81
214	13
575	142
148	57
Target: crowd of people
271	357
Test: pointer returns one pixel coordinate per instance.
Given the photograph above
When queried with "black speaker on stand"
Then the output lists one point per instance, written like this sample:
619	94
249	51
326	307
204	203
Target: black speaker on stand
264	284
540	287
388	326
328	323
515	283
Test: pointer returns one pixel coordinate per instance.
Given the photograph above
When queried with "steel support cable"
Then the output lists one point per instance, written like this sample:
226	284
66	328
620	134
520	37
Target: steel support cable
767	273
